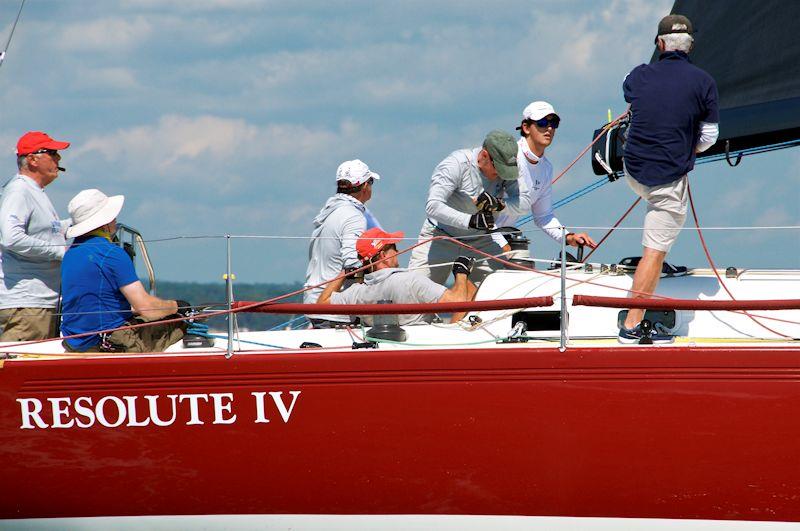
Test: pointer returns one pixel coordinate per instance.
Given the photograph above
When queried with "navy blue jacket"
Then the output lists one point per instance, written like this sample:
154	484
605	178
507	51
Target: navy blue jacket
668	100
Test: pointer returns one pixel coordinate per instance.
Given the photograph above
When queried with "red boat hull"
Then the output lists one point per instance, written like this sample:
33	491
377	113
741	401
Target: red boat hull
674	432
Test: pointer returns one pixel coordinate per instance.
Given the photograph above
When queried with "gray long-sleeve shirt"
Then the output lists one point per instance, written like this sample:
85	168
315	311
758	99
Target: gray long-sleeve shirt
333	244
32	243
456	181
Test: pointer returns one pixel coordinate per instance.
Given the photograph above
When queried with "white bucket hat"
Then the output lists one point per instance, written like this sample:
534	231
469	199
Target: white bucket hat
91	209
355	171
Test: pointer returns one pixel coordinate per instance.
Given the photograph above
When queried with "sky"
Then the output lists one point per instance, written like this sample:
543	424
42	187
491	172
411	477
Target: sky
219	117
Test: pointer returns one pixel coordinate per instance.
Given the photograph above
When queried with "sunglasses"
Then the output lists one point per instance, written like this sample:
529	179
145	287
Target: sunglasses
51	152
545	122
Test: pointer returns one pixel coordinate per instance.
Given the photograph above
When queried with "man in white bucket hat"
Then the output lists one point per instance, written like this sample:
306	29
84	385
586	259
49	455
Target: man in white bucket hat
100	288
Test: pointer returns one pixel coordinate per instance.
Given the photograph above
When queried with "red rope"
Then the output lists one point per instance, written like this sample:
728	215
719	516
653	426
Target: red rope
384	309
714	267
685	304
630	209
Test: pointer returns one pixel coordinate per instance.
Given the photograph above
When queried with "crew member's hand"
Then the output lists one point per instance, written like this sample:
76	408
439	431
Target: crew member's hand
463	266
185	309
482	221
488	203
580	238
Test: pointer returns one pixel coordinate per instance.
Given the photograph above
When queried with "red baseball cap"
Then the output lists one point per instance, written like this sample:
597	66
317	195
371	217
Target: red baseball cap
35	140
373	240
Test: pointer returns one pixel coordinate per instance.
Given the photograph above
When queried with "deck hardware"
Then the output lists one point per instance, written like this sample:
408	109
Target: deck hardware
517	334
647	331
731	272
386	326
310	344
588	268
366	344
475	320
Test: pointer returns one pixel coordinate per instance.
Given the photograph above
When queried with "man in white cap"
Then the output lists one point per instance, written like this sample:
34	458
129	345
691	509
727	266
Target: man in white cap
336	230
32	243
467	189
101	289
537	130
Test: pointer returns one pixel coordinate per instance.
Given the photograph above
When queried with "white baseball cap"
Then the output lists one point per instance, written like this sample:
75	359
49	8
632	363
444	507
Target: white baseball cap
91	209
538	110
355	172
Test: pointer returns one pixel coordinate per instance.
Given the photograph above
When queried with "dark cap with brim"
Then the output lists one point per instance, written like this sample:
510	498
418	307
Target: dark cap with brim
503	149
674	24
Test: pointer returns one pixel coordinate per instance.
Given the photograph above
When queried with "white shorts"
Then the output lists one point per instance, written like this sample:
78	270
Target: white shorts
666	211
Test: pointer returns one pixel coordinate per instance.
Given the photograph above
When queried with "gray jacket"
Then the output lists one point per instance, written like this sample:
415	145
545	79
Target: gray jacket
333	245
456	181
32	243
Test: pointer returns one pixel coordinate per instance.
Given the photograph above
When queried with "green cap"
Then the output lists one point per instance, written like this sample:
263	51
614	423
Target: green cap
503	149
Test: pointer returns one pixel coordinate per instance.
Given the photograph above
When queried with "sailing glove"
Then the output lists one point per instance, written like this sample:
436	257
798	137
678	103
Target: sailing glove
488	203
185	309
463	266
481	221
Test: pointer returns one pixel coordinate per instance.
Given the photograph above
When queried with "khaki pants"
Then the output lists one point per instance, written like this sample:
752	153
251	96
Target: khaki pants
426	257
28	324
666	211
153	338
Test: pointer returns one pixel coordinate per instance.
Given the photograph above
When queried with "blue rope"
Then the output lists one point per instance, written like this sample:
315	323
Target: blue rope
714	158
570	198
287	323
218	336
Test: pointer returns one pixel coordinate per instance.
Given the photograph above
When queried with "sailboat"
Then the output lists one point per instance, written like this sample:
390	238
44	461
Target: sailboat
525	414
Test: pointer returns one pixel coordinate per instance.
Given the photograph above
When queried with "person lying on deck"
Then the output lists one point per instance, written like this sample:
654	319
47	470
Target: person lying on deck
100	288
386	281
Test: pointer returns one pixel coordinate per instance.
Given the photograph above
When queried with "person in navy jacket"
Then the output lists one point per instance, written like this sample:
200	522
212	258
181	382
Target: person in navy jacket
674	116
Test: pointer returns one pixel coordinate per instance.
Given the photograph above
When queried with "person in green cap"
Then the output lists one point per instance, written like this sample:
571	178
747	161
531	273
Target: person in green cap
467	189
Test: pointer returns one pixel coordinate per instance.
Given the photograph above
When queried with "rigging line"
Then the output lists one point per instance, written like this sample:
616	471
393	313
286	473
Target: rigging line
714	267
568	199
226	311
630	209
588	281
10	35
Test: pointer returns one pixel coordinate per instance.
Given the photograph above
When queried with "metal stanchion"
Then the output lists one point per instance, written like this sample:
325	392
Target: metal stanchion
229	296
563	344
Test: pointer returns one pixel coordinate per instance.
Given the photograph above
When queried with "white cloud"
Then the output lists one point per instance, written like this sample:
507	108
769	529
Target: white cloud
117	78
105	34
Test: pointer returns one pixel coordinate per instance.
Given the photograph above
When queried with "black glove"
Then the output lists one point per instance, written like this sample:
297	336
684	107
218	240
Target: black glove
185	309
463	265
488	203
482	221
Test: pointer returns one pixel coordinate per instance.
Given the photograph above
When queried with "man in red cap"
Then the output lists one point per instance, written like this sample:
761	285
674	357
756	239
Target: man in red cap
386	281
32	242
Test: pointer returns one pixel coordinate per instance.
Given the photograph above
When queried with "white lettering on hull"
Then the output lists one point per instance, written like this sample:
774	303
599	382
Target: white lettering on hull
136	411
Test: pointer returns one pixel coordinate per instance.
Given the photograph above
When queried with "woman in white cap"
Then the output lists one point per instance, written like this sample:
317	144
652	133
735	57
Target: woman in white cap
101	290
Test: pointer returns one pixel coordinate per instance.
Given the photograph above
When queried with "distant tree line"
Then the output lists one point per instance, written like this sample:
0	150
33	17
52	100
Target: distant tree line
213	293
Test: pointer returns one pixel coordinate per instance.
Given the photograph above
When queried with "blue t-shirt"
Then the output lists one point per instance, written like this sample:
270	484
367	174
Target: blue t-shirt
668	100
92	273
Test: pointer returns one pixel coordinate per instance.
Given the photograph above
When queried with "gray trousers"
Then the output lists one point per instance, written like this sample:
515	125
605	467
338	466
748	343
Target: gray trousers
426	258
